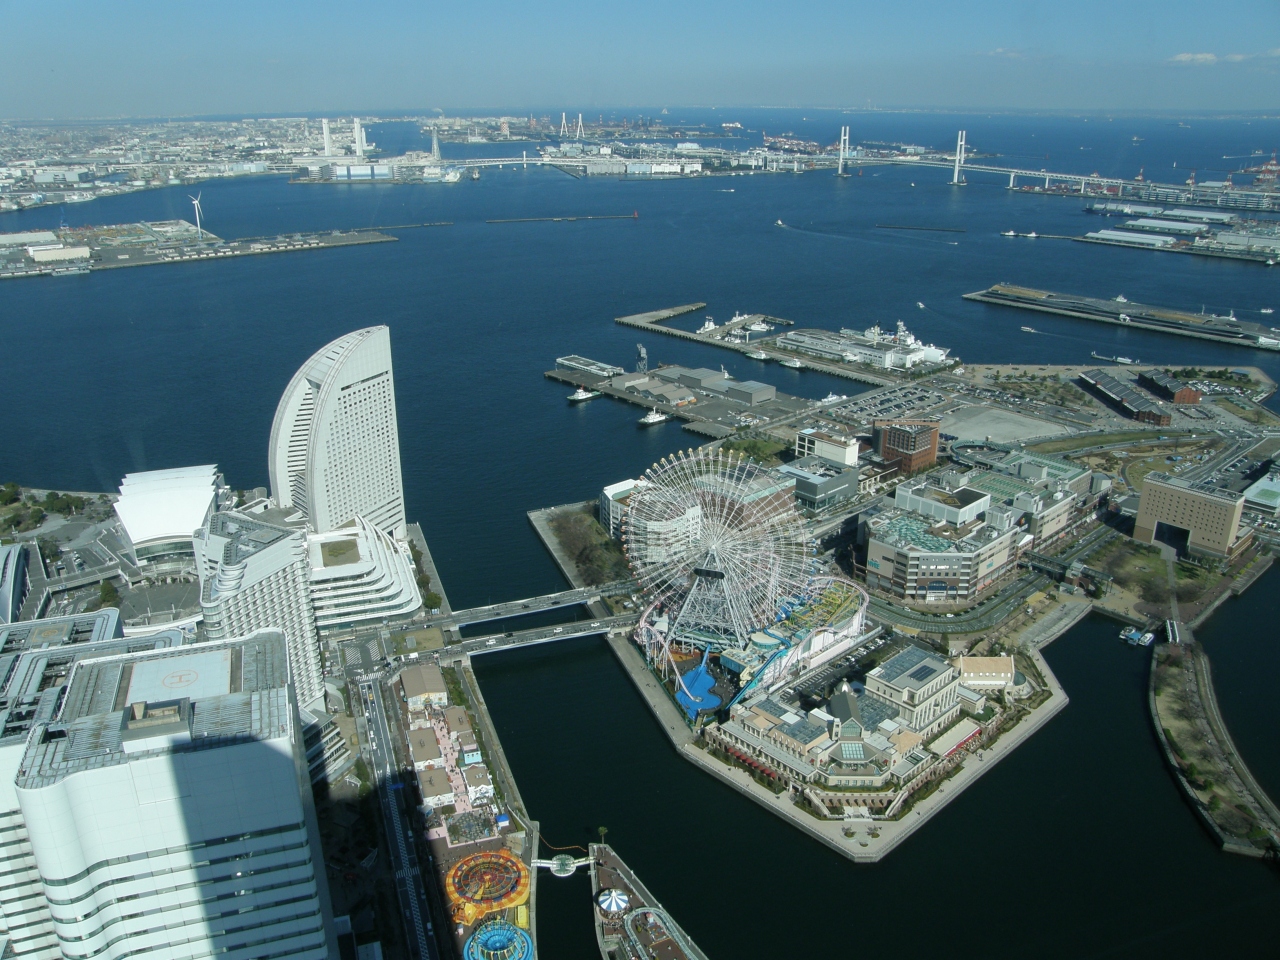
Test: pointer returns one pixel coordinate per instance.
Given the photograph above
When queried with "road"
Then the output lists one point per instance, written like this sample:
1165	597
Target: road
515	608
419	932
525	638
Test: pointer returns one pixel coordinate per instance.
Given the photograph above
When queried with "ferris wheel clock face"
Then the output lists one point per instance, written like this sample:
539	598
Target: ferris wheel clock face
718	540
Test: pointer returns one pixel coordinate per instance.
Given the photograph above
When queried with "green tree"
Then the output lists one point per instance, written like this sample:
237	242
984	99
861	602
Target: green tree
108	595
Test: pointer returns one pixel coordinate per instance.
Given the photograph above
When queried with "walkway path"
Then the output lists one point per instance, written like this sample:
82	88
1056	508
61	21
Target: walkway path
429	565
831	832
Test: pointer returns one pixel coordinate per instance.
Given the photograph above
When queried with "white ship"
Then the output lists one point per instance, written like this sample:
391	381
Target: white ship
792	362
1266	310
758	355
1122	299
1126	360
581	394
759	327
652	417
441	175
708	326
1008	233
1029	330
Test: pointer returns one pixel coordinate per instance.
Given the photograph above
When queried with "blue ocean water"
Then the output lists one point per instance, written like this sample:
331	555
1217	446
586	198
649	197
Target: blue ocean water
166	366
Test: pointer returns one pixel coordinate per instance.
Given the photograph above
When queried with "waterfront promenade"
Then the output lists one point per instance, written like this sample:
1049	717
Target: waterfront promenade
863	846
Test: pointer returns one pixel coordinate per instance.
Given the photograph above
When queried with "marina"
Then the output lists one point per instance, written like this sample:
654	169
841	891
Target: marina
80	250
1120	310
710	402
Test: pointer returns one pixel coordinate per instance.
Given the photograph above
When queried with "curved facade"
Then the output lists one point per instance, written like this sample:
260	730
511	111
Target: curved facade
335	446
178	828
360	574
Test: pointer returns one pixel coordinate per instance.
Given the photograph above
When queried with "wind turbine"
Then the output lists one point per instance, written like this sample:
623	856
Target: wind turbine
195	202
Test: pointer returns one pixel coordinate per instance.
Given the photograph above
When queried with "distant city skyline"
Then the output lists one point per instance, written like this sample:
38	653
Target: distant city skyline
143	58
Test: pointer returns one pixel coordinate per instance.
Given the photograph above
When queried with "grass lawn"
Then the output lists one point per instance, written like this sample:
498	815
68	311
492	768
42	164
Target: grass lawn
1251	414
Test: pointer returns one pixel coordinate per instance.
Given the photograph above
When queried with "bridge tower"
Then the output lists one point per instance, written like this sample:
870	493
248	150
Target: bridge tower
957	177
564	126
844	150
578	134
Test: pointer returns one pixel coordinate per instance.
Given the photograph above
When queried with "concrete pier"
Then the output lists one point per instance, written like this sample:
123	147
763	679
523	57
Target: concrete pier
429	565
652	323
888	833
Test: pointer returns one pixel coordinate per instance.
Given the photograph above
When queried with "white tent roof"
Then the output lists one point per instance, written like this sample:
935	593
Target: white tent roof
166	504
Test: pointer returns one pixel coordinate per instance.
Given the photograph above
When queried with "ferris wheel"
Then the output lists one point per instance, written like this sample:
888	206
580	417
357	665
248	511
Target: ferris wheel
715	540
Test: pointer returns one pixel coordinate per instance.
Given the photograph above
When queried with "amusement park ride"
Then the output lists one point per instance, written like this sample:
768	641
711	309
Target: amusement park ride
724	558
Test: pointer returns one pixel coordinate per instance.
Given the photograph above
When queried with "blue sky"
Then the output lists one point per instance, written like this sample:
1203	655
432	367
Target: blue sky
143	58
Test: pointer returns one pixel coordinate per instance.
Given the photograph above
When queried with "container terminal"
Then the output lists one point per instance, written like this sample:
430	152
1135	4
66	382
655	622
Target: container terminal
1121	311
79	250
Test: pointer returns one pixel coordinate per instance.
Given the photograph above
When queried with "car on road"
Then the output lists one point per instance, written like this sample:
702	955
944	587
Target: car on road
596	623
491	642
558	630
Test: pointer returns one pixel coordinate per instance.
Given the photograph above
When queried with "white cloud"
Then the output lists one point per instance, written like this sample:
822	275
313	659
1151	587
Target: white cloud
1209	59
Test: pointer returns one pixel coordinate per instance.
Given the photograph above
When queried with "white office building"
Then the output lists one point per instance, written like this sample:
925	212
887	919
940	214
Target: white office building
335	446
255	575
159	509
360	574
36	659
613	504
168	809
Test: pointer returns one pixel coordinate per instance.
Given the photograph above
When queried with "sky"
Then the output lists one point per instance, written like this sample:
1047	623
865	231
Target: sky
178	58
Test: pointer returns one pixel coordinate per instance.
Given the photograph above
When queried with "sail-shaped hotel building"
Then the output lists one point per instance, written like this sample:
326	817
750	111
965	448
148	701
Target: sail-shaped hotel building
335	450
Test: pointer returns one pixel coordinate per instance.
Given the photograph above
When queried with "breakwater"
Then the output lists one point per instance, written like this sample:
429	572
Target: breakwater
1201	755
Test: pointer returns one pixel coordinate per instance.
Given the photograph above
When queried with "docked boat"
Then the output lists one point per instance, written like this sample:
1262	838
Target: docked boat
581	394
654	416
1131	636
758	355
1127	360
792	362
1030	330
1122	299
1009	233
759	327
708	326
833	398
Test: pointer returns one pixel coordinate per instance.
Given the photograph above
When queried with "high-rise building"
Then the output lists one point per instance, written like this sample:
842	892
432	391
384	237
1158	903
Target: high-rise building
254	575
1203	517
910	445
335	444
168	812
37	655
